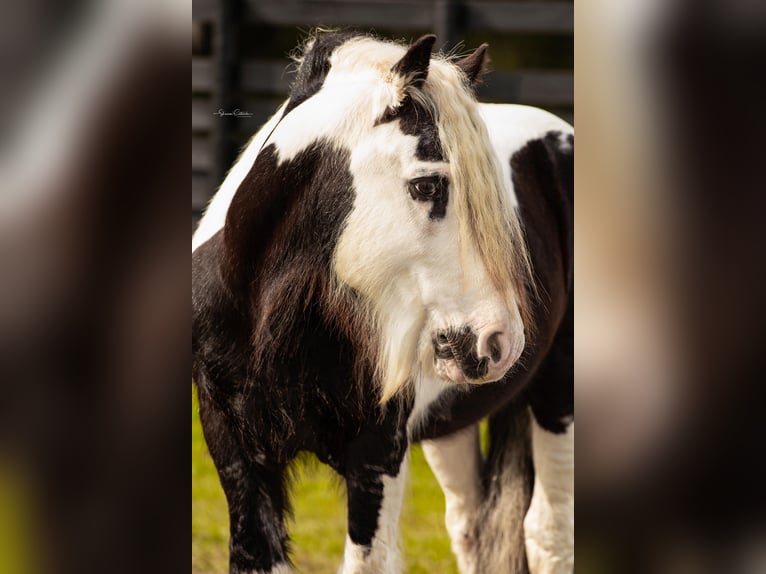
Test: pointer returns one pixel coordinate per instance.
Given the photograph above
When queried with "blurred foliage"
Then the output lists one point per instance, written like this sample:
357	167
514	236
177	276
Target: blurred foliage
16	516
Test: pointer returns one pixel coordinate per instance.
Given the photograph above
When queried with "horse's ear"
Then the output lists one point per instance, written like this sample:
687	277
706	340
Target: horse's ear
414	64
475	65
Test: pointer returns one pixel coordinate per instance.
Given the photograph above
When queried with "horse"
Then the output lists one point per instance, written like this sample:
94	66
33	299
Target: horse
388	262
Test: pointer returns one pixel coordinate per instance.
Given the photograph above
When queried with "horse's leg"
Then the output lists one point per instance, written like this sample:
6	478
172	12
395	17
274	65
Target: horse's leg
455	461
375	480
549	523
256	500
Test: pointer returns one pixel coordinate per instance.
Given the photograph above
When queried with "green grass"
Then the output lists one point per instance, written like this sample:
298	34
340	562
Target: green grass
17	522
318	530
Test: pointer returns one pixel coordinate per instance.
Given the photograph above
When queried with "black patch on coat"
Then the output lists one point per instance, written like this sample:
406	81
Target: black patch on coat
315	67
551	393
439	209
293	212
547	164
373	454
416	120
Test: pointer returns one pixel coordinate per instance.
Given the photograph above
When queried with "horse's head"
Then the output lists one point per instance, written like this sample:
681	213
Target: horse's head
407	206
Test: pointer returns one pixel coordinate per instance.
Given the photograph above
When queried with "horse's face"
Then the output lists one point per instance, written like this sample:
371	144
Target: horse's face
430	244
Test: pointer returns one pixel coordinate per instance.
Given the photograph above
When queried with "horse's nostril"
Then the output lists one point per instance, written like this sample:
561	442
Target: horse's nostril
495	347
495	344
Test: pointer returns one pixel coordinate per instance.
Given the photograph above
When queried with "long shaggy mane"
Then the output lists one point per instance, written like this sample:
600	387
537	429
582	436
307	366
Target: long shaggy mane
489	226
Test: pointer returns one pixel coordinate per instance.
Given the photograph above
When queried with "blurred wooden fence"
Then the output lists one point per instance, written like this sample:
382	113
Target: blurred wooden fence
239	59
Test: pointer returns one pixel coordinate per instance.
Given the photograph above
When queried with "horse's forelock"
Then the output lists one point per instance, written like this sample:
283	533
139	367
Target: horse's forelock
486	218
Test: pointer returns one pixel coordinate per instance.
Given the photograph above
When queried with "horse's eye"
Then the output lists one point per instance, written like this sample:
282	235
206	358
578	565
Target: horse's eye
427	188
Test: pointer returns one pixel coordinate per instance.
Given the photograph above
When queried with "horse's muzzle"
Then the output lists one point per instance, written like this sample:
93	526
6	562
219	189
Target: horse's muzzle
467	356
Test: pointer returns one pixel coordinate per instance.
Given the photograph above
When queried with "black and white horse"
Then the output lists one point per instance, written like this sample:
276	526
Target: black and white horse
358	283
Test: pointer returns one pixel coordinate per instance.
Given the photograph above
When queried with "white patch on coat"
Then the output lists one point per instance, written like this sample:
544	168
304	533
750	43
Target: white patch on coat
353	558
456	462
549	523
384	557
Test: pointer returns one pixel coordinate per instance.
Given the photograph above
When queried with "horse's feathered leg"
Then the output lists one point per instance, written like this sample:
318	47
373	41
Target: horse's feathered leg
375	479
507	487
549	523
255	496
456	463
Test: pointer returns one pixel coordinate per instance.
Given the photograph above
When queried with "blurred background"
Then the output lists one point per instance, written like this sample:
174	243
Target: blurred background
94	276
670	260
